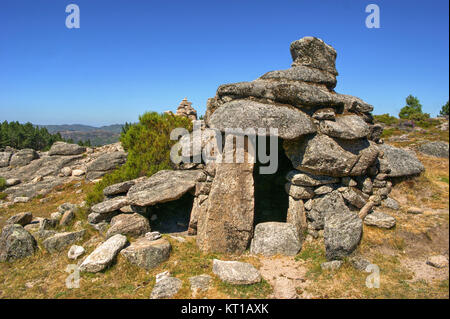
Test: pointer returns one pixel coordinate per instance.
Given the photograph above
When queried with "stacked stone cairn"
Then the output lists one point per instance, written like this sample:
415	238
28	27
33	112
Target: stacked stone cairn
339	170
185	109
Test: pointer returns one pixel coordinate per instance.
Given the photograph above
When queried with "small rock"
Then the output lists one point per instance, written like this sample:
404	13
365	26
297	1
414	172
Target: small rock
166	288
146	253
56	216
379	219
75	252
235	272
21	199
116	189
438	261
391	203
200	283
322	190
78	172
60	241
359	263
178	238
12	182
414	210
21	219
162	275
133	225
153	235
299	192
331	265
16	243
67	218
104	254
110	205
347	181
66	171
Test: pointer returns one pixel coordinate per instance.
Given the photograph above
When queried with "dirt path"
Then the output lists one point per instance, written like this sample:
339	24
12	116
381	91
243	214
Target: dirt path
286	276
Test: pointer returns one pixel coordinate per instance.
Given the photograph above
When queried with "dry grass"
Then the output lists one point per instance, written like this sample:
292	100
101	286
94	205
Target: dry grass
415	236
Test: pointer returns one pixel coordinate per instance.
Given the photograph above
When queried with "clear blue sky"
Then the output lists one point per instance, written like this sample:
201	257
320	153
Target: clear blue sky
129	57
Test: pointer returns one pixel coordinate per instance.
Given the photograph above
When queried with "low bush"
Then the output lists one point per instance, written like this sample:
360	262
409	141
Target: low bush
386	119
148	145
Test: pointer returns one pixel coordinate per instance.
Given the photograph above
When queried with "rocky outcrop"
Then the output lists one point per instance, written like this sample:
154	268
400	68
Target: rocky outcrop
437	149
104	164
30	173
23	157
62	148
5	157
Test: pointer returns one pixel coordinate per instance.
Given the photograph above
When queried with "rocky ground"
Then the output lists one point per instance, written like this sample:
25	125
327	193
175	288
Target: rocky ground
405	254
354	209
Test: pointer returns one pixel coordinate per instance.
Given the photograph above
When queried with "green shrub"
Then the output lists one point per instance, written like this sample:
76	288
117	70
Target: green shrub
385	119
2	183
3	196
444	110
413	110
148	145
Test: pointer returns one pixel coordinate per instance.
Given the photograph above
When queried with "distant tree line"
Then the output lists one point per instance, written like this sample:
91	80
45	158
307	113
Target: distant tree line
27	135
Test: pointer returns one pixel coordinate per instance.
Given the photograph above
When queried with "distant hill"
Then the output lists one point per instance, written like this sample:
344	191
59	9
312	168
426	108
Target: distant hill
78	132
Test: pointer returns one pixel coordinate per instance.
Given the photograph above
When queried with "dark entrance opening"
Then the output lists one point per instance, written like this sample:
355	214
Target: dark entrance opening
271	199
171	217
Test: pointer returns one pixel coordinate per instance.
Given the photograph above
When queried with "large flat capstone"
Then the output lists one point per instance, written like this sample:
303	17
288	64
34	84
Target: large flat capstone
164	186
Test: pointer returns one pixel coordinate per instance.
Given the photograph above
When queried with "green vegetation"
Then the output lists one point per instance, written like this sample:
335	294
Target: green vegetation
413	110
444	110
2	183
20	136
27	135
148	145
386	119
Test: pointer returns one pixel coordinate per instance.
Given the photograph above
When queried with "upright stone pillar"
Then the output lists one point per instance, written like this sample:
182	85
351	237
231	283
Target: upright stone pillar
227	225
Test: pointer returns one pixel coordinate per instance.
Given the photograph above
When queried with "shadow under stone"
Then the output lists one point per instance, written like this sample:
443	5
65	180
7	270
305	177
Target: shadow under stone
171	217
